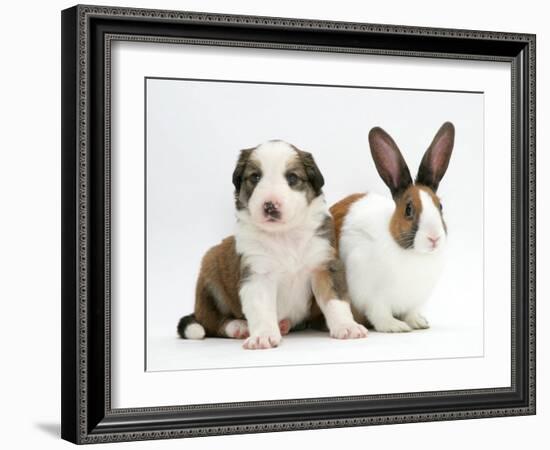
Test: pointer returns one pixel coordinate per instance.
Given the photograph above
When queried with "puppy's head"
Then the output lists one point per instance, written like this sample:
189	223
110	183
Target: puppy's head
275	183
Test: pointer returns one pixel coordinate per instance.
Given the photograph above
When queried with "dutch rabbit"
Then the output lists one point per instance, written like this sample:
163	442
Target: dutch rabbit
392	248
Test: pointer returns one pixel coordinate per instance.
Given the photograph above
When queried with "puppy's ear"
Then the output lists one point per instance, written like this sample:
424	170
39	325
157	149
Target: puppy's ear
314	175
239	168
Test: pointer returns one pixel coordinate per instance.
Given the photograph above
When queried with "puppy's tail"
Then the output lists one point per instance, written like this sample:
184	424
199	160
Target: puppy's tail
189	328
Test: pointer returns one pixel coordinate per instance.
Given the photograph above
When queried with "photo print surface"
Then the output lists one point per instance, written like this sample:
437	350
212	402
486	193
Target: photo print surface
195	130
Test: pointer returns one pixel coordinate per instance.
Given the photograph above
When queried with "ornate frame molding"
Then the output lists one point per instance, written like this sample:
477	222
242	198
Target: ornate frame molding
85	422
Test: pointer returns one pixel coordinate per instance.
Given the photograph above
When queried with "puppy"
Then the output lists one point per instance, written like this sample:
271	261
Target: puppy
260	283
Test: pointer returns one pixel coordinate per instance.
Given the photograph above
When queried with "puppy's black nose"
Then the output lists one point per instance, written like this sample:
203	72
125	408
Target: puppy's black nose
271	210
269	207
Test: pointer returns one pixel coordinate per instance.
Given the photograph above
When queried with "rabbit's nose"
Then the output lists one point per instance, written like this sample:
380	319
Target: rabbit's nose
433	240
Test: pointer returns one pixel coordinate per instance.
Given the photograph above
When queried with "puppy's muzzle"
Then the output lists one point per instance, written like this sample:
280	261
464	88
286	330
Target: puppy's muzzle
271	211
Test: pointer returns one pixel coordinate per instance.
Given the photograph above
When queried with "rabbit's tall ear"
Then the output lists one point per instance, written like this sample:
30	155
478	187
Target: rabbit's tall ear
436	159
389	162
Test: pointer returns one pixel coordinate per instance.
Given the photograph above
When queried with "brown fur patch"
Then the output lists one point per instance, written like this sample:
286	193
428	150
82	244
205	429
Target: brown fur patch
247	184
328	283
337	275
326	230
322	286
310	179
314	175
339	212
295	166
217	290
403	228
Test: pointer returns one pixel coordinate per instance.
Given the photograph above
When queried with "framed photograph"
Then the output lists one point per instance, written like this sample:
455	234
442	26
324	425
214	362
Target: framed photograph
280	224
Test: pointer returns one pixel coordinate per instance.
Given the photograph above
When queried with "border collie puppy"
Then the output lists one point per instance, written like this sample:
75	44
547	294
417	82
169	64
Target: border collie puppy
259	284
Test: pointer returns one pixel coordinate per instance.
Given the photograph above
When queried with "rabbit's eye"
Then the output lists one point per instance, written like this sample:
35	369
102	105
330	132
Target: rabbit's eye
441	206
409	210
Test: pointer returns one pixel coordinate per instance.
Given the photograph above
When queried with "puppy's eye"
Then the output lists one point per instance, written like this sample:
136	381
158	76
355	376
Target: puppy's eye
292	179
409	210
254	177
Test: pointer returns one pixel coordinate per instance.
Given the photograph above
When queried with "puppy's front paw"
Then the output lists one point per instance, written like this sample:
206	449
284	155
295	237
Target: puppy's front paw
417	322
391	325
262	341
350	330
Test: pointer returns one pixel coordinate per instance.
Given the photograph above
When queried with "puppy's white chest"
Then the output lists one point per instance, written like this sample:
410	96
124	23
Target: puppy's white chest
290	262
294	296
284	256
298	255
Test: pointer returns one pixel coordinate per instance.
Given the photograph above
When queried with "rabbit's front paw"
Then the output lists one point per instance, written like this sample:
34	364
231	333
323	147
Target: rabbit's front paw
392	325
416	321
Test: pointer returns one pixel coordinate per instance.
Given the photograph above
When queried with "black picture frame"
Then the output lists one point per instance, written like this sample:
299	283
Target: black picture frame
87	32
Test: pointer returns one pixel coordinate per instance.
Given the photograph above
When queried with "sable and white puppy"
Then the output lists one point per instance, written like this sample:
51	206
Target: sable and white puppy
259	283
393	249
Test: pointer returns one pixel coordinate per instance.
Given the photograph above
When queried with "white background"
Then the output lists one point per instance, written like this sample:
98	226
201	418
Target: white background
30	228
194	132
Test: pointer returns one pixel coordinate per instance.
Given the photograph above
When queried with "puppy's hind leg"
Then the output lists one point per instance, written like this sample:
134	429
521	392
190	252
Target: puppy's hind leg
236	328
215	322
189	328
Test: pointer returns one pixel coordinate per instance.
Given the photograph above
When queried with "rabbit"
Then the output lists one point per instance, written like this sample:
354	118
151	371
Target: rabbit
393	250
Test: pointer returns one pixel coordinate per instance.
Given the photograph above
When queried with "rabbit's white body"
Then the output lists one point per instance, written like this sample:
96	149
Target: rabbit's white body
386	281
393	249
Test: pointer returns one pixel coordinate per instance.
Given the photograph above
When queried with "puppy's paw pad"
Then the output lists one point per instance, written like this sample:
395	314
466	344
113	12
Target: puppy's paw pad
349	331
392	326
262	342
417	322
237	329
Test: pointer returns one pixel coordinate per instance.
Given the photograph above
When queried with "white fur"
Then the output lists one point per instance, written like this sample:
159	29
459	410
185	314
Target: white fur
340	321
281	256
194	331
429	225
384	279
